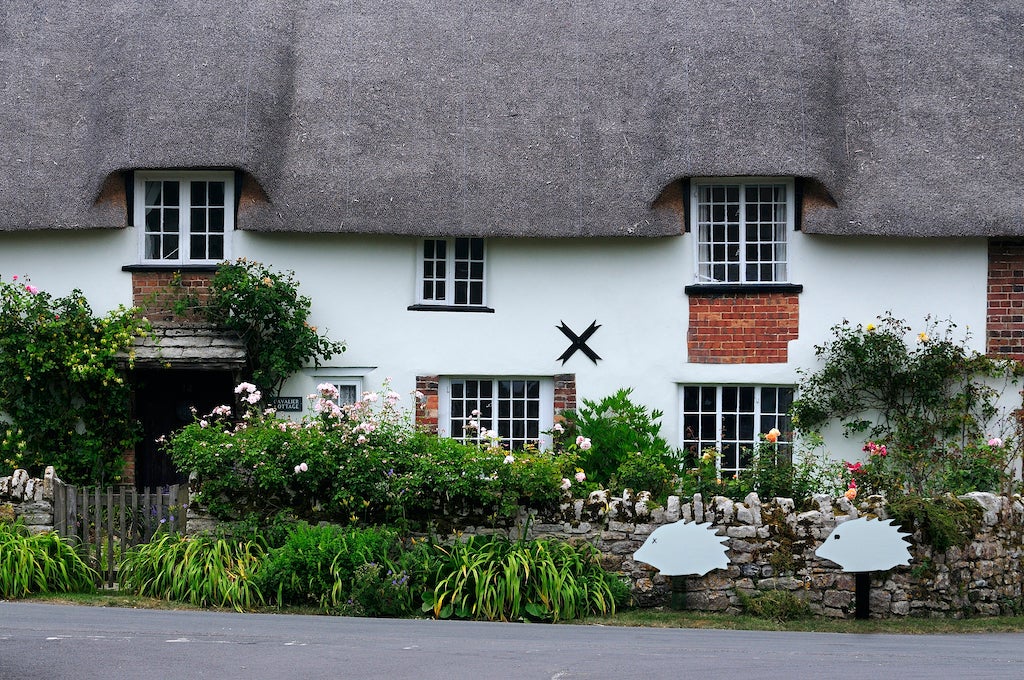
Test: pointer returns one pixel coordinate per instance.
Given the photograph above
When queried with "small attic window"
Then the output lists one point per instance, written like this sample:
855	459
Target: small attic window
742	227
184	217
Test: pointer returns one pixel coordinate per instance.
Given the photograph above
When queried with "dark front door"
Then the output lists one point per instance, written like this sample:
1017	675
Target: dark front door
163	402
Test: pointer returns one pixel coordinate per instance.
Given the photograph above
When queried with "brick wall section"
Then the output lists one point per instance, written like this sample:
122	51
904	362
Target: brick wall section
427	385
1004	328
426	405
154	292
742	328
565	392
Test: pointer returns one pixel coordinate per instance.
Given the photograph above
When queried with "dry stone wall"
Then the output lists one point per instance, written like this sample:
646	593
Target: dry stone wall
29	498
771	546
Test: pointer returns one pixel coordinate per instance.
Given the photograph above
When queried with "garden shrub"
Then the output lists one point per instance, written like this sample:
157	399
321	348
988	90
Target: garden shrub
264	307
40	563
927	400
773	475
612	431
496	579
360	463
206	571
63	385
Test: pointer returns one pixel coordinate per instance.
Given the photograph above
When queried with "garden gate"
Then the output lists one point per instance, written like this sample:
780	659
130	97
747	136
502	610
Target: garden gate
104	523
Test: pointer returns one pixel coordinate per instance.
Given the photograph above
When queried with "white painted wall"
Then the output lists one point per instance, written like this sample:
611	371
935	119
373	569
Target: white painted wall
361	287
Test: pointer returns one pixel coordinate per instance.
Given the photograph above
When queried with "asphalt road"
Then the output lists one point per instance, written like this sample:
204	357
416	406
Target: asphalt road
56	642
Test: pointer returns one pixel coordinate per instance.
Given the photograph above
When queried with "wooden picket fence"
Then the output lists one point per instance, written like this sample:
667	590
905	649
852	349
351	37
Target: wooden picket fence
105	523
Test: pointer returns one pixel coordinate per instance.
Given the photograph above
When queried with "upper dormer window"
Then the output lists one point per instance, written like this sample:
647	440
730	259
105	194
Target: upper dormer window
184	217
452	272
742	226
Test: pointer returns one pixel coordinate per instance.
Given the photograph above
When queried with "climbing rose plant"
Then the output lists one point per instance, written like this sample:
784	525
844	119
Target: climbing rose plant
63	391
264	307
924	399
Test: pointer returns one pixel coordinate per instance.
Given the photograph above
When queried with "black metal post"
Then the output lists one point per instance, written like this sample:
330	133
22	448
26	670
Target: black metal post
678	599
862	595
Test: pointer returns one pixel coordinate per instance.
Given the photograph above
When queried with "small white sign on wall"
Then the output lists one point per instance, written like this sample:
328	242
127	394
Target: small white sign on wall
682	549
864	544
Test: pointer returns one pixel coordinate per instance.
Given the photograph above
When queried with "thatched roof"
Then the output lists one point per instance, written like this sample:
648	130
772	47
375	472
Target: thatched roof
517	117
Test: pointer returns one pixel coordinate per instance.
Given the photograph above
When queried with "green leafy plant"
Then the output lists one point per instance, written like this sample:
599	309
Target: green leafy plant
207	571
606	434
773	475
942	521
493	578
364	462
379	591
927	399
264	307
774	605
316	564
63	385
40	563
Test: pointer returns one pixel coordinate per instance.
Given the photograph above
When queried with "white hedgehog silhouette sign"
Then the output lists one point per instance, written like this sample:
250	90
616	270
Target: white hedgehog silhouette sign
681	549
865	545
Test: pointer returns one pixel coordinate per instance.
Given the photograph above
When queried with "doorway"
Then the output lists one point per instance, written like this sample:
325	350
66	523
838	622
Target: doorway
163	402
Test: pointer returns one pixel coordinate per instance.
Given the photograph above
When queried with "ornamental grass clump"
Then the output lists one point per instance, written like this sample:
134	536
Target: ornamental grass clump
40	563
316	565
206	571
495	579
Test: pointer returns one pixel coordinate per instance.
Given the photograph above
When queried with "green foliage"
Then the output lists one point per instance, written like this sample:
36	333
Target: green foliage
607	434
40	563
773	475
379	591
202	570
265	308
364	462
493	578
316	564
774	605
62	384
647	471
943	521
927	399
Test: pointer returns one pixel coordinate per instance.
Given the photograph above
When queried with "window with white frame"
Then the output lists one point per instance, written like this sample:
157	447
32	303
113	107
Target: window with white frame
184	217
452	272
348	389
741	228
519	410
731	419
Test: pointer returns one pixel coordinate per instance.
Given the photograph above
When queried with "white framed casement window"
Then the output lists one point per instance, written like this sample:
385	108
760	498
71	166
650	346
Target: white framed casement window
349	389
451	272
731	420
742	227
184	217
520	410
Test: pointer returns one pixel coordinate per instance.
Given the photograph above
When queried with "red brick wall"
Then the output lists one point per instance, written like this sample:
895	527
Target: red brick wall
154	292
427	386
742	328
565	392
426	405
1004	327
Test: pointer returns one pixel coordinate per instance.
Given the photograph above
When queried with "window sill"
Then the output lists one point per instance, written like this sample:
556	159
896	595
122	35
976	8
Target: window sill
170	266
722	289
450	308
